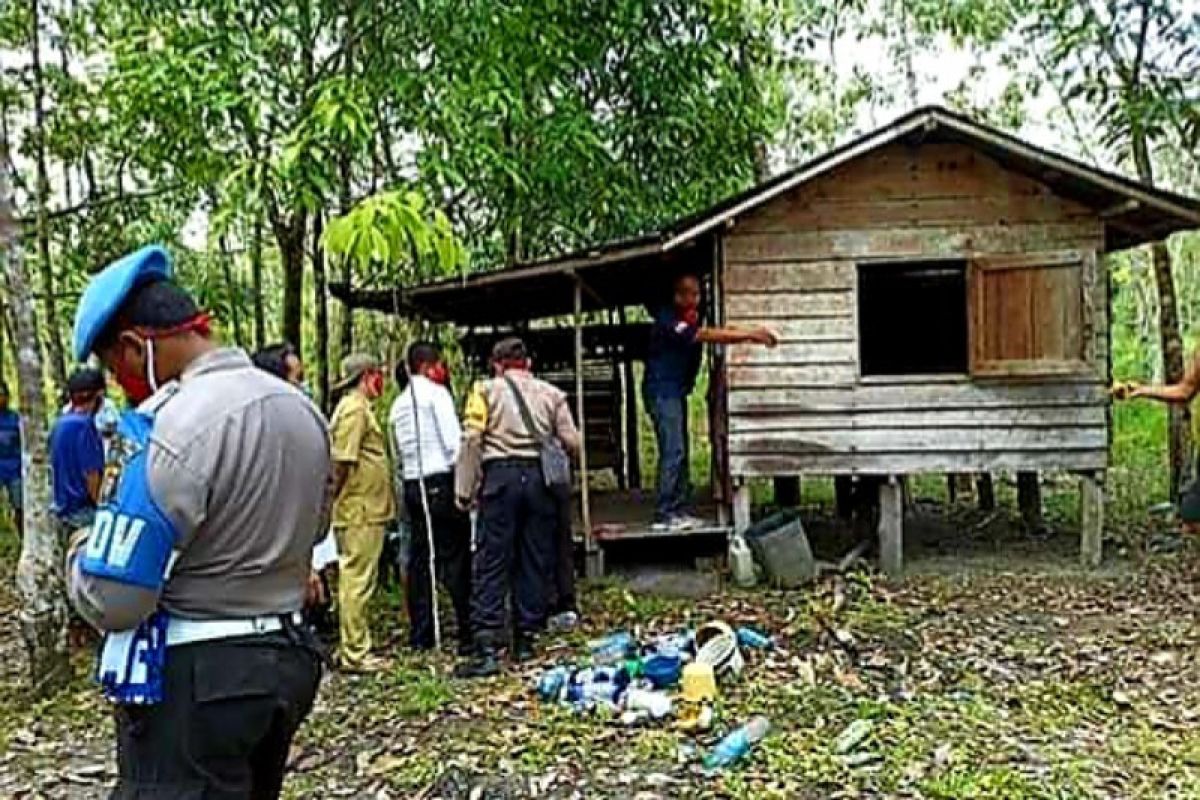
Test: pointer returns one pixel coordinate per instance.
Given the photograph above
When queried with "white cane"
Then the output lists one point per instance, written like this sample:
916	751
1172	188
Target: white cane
437	621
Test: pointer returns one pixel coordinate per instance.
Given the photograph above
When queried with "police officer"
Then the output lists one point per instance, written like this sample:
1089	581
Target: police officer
518	514
197	565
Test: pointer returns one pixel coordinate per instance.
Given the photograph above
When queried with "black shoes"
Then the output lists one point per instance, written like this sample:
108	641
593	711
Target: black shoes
523	649
482	664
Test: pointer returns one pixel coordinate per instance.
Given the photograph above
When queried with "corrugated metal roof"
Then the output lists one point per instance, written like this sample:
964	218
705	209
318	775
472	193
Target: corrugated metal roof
1134	213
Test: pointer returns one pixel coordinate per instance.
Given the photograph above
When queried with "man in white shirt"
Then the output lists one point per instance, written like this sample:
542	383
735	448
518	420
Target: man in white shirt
426	436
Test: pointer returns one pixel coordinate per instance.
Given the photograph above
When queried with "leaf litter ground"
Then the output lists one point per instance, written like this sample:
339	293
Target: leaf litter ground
990	672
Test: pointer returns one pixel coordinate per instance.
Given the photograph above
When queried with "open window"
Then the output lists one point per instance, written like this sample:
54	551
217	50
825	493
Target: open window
1027	315
912	318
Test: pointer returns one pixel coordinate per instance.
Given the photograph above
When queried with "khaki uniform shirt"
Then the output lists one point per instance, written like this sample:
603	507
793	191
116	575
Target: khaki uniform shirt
494	428
238	460
358	442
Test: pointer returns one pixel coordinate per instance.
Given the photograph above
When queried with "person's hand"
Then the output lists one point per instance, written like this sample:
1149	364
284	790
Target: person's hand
1126	390
764	336
314	591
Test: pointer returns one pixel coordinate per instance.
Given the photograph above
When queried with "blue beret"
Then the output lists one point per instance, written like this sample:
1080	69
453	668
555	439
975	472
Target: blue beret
108	289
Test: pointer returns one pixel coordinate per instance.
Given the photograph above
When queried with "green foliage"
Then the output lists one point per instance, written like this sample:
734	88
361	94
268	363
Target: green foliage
393	228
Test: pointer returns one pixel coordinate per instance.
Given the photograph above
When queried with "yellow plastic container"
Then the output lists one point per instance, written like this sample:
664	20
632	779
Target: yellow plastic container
699	683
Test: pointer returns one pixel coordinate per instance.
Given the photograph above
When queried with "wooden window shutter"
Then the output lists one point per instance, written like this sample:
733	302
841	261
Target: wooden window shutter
1027	315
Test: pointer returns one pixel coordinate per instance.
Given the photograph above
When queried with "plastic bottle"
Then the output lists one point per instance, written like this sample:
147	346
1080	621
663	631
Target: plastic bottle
612	649
599	685
552	683
657	703
737	744
741	563
748	637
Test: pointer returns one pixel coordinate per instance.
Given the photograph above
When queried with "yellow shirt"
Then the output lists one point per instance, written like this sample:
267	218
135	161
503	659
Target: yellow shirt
357	440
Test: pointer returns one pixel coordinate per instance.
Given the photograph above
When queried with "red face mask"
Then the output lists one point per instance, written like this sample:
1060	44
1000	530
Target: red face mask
135	385
690	315
374	383
438	374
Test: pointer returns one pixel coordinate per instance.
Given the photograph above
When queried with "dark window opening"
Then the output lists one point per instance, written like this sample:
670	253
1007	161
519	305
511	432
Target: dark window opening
912	318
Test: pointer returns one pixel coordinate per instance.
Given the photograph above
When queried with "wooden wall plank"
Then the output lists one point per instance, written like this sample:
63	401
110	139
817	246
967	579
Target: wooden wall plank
806	329
840	353
914	463
964	395
917	440
909	242
789	276
820	375
789	305
1024	416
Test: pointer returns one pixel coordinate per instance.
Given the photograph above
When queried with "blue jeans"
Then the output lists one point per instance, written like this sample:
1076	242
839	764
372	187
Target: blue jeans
669	415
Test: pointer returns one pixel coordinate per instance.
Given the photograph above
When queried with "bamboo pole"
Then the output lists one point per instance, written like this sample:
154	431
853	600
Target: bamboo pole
585	500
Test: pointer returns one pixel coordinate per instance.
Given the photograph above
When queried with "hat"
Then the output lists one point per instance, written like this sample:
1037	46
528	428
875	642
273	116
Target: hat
353	367
108	290
85	379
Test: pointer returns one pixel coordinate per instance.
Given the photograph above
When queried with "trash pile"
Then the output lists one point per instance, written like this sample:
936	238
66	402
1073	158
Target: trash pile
671	676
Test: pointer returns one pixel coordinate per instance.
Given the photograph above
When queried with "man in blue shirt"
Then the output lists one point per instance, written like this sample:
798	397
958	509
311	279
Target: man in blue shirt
672	363
10	457
77	453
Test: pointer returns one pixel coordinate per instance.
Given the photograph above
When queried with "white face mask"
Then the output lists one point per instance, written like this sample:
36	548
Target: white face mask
150	376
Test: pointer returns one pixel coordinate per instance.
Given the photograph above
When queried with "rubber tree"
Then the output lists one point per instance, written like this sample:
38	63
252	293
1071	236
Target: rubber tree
43	606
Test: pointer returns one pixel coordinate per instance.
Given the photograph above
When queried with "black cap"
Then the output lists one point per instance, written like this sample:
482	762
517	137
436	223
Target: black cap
85	379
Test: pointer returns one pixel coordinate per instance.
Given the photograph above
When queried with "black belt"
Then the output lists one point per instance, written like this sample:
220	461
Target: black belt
513	461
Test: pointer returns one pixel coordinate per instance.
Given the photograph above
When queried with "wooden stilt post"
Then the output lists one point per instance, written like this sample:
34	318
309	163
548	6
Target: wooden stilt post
1029	500
594	561
986	490
1091	516
843	497
787	491
891	527
741	507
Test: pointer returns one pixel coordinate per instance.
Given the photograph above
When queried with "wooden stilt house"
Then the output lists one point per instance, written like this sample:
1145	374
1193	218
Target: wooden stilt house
939	291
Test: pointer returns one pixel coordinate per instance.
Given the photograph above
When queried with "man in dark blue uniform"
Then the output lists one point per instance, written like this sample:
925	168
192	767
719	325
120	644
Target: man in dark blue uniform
672	363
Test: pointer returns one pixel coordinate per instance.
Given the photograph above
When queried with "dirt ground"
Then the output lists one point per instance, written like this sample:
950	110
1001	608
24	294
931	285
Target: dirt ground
996	669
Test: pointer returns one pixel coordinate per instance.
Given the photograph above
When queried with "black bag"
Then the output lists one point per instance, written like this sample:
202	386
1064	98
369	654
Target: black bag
556	464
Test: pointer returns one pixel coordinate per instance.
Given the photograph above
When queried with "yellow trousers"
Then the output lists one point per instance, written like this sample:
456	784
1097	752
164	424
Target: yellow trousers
358	572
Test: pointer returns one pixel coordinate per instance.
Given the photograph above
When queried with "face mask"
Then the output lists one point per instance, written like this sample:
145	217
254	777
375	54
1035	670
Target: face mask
137	387
374	384
438	374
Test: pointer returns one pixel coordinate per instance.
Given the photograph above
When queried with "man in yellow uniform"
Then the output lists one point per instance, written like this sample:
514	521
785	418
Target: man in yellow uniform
363	504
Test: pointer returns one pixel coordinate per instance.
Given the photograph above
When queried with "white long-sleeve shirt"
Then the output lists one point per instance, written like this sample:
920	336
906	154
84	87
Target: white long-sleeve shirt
438	423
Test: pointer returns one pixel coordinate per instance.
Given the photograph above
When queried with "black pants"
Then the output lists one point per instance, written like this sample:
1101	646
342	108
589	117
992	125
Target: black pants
518	519
564	550
452	551
223	730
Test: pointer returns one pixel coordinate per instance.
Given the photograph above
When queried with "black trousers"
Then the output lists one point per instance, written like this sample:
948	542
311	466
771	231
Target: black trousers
223	730
518	522
452	553
564	555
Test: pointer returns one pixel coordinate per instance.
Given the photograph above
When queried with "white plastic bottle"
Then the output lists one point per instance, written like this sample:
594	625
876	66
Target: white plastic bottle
741	562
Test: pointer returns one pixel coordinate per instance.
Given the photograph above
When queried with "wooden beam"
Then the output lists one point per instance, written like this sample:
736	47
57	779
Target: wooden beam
1120	208
891	528
581	421
1091	515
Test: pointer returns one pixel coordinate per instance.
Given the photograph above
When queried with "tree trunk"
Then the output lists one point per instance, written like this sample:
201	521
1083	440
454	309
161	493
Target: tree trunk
1170	338
322	305
43	613
289	234
256	278
58	364
346	334
231	286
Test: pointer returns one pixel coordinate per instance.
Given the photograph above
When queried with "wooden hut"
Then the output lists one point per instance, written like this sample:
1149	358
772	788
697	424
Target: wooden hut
940	295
